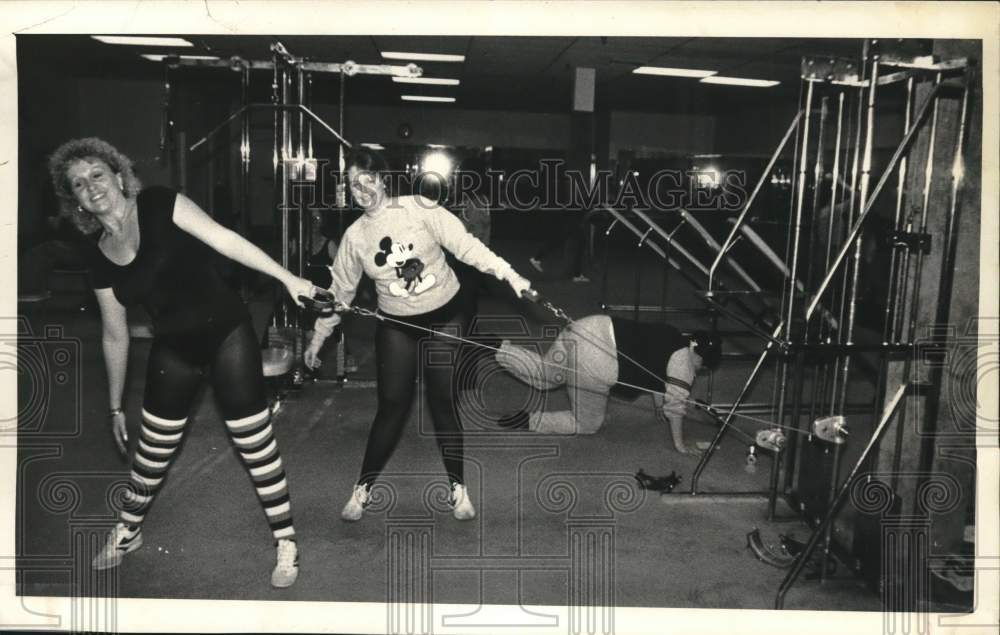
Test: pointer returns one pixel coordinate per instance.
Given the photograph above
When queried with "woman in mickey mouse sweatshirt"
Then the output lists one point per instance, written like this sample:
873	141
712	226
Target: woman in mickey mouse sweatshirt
398	242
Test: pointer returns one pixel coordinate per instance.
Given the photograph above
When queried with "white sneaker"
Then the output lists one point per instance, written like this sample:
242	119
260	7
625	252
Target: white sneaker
355	507
121	541
287	568
461	504
536	263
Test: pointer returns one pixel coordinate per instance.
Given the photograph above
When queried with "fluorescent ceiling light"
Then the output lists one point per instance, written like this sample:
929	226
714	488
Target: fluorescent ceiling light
442	100
142	41
159	57
434	81
423	57
373	146
740	81
672	72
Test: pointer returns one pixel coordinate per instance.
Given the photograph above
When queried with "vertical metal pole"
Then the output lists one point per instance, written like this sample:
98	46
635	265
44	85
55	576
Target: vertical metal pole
795	418
302	213
792	253
800	200
835	173
165	123
852	298
902	289
276	84
307	100
309	124
605	258
825	394
898	299
711	373
947	277
855	165
772	495
638	283
888	329
286	152
245	220
957	179
341	161
793	449
924	208
866	168
786	301
819	170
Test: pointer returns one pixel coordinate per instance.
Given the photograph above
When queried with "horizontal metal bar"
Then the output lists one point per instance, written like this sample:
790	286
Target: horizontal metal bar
958	63
351	68
706	497
644	308
348	68
892	78
765	408
848	349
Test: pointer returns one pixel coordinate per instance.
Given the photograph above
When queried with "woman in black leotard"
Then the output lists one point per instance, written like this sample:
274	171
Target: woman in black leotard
153	248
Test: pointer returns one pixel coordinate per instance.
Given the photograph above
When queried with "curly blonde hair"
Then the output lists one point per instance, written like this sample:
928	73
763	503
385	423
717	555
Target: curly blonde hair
88	148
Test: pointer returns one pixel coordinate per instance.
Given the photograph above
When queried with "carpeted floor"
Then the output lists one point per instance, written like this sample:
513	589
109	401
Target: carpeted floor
550	509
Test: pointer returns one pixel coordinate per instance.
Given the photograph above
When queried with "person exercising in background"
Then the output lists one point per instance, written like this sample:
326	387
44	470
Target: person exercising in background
597	356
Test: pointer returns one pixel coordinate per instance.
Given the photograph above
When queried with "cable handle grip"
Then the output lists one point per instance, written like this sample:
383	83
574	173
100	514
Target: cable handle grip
322	301
531	295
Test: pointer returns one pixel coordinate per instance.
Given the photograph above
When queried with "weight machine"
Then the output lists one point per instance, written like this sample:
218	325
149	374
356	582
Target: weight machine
293	162
825	264
814	338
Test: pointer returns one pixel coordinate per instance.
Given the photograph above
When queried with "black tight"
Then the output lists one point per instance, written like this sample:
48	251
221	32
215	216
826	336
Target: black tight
398	351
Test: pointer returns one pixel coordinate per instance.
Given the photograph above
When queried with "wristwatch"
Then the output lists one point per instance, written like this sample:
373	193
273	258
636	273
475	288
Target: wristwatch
115	411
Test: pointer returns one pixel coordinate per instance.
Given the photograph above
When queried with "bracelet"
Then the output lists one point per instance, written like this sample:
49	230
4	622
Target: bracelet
115	411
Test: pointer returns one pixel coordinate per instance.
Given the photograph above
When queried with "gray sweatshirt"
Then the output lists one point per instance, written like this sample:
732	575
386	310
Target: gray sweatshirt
400	248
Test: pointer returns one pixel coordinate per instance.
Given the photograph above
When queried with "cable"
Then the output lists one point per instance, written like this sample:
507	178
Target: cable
379	316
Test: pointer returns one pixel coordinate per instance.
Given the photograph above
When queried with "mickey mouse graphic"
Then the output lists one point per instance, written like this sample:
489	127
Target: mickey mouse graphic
408	268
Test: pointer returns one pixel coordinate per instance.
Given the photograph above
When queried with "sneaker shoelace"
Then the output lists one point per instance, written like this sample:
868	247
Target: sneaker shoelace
121	536
286	555
361	494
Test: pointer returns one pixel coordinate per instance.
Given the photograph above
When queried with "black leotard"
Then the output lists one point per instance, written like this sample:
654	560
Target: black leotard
173	274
